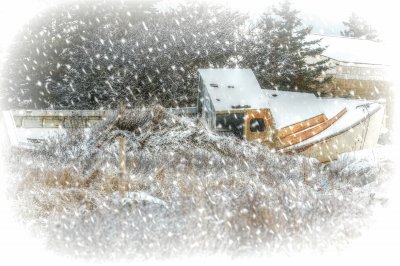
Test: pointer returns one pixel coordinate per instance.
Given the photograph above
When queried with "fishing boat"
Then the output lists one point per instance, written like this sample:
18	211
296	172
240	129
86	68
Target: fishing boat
231	100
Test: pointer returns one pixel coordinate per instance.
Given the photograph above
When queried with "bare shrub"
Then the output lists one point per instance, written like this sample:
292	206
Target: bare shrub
186	189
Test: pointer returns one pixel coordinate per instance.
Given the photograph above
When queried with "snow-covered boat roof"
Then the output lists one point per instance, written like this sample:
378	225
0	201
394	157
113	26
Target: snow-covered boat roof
352	50
288	108
232	89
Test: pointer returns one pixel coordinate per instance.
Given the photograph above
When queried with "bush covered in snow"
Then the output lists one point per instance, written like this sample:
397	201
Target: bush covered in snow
186	190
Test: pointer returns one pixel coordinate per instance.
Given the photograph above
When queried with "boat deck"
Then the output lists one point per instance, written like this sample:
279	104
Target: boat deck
289	108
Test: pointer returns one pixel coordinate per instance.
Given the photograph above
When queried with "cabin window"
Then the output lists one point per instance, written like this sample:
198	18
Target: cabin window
257	125
240	106
233	122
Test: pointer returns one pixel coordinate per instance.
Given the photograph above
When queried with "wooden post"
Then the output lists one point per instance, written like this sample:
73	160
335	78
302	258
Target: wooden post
122	154
122	157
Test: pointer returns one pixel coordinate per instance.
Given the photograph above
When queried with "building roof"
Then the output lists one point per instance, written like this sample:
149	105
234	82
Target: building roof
233	89
352	50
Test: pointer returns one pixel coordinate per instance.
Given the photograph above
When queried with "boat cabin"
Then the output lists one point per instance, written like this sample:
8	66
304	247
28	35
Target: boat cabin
231	100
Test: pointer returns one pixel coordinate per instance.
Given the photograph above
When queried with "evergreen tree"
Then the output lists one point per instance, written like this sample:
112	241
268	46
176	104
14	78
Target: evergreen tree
67	56
279	52
359	28
92	54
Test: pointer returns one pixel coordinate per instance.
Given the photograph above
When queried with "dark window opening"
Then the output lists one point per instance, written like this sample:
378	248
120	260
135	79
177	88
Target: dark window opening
240	106
257	125
231	122
35	140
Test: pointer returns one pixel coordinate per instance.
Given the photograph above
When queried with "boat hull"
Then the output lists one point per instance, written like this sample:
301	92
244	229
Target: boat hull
363	135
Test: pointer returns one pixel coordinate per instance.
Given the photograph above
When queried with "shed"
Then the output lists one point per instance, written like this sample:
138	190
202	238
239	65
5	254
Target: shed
359	68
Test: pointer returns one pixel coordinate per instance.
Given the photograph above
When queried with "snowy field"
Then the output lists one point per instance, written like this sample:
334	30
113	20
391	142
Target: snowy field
189	191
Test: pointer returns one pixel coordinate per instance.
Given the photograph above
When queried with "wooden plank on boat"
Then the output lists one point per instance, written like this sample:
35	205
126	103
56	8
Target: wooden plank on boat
300	126
310	132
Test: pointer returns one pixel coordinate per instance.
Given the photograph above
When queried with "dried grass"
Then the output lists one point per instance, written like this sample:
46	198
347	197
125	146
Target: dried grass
221	194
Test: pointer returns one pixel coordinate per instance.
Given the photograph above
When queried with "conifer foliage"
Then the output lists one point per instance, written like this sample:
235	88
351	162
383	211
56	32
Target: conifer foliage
96	54
91	54
358	28
282	55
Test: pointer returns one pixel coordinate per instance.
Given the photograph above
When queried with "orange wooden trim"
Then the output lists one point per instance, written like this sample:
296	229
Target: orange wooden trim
261	113
308	133
300	126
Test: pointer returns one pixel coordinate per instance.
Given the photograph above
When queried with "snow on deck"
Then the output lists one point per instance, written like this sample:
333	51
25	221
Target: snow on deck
233	87
288	108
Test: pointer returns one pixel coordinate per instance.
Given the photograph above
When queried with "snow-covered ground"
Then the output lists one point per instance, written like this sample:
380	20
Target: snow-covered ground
189	191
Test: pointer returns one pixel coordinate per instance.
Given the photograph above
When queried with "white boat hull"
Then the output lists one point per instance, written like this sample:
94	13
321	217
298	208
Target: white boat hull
363	135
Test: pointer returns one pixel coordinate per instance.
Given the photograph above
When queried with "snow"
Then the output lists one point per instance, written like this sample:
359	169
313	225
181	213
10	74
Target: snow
351	50
245	91
288	108
136	197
